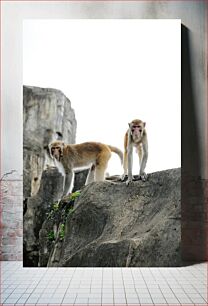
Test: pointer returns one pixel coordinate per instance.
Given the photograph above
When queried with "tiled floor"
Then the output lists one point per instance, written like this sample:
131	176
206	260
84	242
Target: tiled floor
99	286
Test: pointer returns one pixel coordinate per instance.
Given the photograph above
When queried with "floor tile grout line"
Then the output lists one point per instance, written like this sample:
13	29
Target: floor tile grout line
37	285
169	288
158	285
135	286
123	284
179	285
69	285
121	274
147	286
184	290
172	288
113	286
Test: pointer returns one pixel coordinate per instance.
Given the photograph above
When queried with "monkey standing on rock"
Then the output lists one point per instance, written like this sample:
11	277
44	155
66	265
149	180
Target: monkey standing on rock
93	155
136	136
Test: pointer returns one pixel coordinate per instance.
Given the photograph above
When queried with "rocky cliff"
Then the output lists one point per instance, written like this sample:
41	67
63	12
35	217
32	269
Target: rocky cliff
38	209
109	224
47	115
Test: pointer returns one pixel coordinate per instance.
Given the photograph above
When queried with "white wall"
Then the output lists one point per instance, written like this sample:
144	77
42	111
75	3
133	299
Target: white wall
13	13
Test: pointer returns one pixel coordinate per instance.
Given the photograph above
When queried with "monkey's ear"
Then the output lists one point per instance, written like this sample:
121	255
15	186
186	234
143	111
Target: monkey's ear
129	124
144	124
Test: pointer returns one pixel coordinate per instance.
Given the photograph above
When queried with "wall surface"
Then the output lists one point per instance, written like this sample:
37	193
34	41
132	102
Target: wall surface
11	223
194	106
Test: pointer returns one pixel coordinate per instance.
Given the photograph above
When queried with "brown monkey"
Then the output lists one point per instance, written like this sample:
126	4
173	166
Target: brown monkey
93	155
136	136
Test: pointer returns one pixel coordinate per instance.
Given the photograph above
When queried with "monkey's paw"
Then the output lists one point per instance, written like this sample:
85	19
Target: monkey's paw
129	181
124	177
143	177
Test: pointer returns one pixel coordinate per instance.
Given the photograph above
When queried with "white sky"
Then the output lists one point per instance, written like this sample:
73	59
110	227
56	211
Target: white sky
113	71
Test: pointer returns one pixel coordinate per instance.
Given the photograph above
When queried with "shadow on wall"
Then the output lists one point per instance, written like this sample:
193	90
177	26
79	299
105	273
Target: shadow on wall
193	208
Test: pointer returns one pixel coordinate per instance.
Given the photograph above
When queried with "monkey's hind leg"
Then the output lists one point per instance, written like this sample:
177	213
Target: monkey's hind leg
101	165
91	175
100	173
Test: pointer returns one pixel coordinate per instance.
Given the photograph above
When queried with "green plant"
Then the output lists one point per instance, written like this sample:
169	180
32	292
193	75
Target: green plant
69	210
55	206
51	236
62	231
74	195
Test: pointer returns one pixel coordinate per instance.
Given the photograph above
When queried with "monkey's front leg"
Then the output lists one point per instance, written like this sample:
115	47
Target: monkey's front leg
125	166
142	174
130	161
68	183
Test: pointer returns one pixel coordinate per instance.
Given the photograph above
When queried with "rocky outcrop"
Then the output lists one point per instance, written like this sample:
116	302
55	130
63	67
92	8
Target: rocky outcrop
38	209
80	179
117	225
114	225
47	115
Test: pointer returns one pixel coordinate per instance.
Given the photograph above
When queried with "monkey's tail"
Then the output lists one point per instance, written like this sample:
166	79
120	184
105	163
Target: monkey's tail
117	151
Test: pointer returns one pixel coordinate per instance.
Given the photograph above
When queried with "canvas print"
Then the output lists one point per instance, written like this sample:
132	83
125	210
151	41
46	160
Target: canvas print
102	143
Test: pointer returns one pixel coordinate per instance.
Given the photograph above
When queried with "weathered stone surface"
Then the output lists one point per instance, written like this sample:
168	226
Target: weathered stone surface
47	115
38	207
49	243
51	235
80	179
47	236
116	225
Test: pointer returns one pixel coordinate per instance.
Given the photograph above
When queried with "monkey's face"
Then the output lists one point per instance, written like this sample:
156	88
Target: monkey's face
56	150
137	129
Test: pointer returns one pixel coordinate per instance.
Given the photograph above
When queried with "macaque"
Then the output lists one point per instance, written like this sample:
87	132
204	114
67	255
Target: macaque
136	136
92	155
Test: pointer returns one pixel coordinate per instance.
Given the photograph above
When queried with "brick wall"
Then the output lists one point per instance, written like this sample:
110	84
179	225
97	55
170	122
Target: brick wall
11	220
